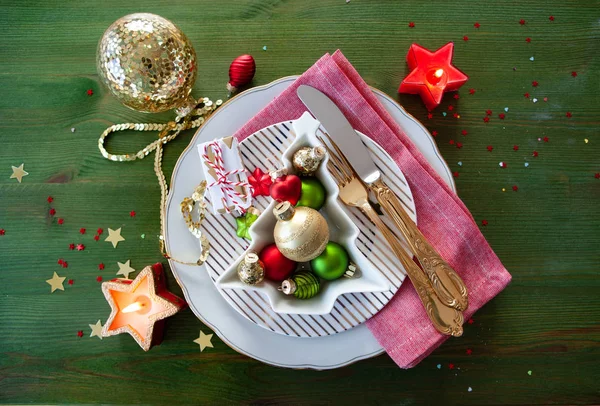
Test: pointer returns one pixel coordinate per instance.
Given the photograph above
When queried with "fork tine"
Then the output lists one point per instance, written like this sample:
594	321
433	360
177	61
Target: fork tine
338	163
335	173
341	155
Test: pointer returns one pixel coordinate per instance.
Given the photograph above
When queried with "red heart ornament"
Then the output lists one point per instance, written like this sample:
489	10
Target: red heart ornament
287	188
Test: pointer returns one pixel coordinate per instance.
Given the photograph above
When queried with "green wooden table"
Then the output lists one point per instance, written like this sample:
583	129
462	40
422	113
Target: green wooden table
537	342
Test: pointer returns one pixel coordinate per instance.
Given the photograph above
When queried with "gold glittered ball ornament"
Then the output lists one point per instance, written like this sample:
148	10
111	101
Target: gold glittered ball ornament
148	63
301	233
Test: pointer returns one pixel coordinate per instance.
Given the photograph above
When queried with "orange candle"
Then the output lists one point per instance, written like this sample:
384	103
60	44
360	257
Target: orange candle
140	306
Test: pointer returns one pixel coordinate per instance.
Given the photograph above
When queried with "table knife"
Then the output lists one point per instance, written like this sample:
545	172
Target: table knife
445	281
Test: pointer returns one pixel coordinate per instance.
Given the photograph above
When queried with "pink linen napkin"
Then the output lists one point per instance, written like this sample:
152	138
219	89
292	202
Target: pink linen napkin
402	327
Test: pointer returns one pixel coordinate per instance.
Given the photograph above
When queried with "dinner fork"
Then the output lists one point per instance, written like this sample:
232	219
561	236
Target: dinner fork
447	320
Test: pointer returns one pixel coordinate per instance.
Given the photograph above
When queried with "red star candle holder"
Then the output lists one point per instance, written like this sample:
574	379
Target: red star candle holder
140	306
432	74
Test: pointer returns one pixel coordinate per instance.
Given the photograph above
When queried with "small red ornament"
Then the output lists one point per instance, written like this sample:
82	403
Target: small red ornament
287	188
241	72
432	74
277	267
261	182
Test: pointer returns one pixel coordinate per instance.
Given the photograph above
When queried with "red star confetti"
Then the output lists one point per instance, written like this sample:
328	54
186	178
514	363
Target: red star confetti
61	221
488	112
526	95
469	351
535	83
71	246
80	247
551	18
596	175
456	115
64	264
450	366
98	279
60	261
2	231
52	212
522	22
569	115
484	222
260	182
434	133
501	116
471	321
464	132
50	199
490	148
96	238
527	39
516	147
99	231
546	139
515	188
535	153
90	92
451	142
101	266
456	96
465	38
450	107
70	282
503	164
455	174
574	74
476	25
80	333
411	25
132	213
471	91
82	231
429	116
459	145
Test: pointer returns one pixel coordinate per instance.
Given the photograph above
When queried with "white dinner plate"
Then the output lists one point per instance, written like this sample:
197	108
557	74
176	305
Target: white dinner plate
210	307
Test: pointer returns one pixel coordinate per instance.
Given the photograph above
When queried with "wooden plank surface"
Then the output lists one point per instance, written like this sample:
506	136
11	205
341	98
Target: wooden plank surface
547	234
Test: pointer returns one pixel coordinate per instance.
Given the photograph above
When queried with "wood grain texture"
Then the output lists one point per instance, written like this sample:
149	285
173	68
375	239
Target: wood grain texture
547	234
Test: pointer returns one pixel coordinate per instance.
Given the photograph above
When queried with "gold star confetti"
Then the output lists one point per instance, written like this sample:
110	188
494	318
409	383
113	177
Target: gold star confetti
585	139
56	282
114	236
125	269
18	173
96	329
204	341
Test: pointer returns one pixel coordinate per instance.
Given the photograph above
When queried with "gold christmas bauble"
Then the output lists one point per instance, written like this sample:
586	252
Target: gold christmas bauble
147	63
301	233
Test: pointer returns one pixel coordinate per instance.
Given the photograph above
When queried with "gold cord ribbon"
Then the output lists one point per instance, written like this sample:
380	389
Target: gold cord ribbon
168	132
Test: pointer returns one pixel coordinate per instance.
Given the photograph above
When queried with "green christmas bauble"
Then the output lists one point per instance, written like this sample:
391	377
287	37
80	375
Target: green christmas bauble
313	194
332	263
303	285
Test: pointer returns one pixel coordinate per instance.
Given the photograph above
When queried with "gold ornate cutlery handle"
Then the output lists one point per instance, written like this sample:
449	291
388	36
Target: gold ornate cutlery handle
447	284
446	320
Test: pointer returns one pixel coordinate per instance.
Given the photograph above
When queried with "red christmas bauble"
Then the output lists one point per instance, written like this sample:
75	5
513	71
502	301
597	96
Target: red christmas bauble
261	182
241	72
287	188
277	267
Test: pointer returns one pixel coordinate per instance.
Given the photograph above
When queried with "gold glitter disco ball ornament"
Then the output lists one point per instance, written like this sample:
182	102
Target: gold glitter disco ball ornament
148	63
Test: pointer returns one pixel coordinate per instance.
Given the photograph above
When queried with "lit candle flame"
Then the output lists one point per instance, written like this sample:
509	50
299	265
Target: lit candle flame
134	307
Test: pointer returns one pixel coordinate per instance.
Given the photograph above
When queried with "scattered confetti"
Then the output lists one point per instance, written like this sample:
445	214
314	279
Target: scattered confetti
528	40
50	199
515	188
574	74
101	266
569	115
444	114
114	237
522	22
204	340
546	139
450	366
465	38
72	129
551	18
469	389
132	213
534	100
476	25
471	321
82	231
143	236
411	25
529	373
490	148
532	59
125	269
586	140
98	279
535	153
70	282
96	329
545	99
264	48
486	119
429	116
539	139
451	142
18	173
60	261
469	351
456	96
60	221
56	282
503	164
464	132
488	112
503	190
506	109
90	92
80	247
471	91
2	231
456	115
450	107
439	366
484	223
459	145
52	212
526	164
526	95
96	238
501	116
535	83
99	231
434	133
455	174
459	163
71	246
80	333
515	147
597	175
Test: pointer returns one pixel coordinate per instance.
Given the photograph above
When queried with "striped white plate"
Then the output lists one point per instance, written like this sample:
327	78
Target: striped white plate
263	149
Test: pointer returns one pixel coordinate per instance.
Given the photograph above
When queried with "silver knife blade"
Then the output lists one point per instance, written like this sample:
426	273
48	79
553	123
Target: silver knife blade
341	131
